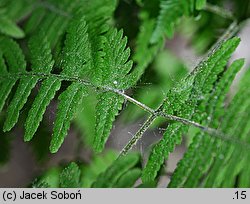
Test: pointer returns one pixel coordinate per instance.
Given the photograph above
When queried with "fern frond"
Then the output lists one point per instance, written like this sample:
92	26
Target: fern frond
128	179
116	170
236	124
10	13
198	157
41	61
98	165
115	68
70	176
50	179
119	173
76	54
15	62
199	4
16	10
46	93
52	17
170	12
107	108
8	27
183	100
145	51
69	101
90	52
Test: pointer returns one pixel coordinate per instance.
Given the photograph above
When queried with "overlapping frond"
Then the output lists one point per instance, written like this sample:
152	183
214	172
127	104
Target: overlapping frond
121	173
113	75
93	51
193	165
184	100
70	176
119	168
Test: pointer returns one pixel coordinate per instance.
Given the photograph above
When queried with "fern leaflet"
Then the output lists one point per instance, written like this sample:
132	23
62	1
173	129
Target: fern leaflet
183	100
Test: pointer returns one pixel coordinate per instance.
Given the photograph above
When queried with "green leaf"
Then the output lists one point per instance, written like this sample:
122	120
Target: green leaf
50	179
15	61
85	119
26	84
70	176
53	17
41	62
144	51
107	108
113	74
116	170
200	4
8	27
128	179
69	101
170	12
197	159
236	125
183	99
98	165
46	93
76	53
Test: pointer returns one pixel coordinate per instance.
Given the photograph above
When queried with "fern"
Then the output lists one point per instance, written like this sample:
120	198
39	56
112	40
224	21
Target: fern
98	164
10	13
72	66
109	103
10	28
76	54
78	65
51	16
215	102
183	100
238	128
144	50
70	176
115	176
115	171
15	62
199	4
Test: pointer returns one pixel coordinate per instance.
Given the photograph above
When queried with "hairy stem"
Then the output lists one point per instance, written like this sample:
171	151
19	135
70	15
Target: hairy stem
156	113
138	135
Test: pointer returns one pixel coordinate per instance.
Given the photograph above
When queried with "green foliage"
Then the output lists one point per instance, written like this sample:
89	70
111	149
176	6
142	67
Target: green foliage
114	174
73	66
202	143
75	55
113	75
128	179
121	166
70	176
15	61
11	12
10	28
183	99
199	4
170	13
159	81
98	164
51	16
